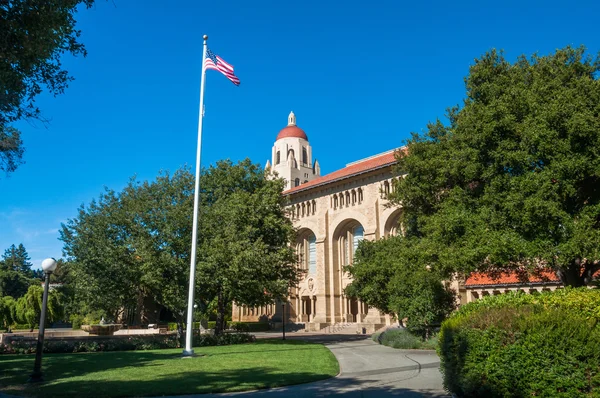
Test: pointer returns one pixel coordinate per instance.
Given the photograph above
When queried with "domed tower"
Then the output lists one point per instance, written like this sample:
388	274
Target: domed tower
292	156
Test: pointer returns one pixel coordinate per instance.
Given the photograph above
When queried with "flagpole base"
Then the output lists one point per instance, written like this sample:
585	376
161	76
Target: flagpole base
187	353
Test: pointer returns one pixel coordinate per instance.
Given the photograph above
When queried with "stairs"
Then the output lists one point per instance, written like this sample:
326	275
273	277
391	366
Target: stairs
340	328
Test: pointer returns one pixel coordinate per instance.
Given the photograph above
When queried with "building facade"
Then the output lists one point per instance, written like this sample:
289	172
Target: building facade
331	213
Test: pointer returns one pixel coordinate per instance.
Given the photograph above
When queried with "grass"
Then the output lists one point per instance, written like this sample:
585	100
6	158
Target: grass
402	339
264	364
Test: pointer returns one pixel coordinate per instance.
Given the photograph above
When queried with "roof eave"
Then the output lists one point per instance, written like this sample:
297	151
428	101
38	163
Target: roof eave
338	179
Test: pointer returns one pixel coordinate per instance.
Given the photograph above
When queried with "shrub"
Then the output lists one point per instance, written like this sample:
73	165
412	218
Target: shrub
400	338
76	321
244	327
131	343
519	345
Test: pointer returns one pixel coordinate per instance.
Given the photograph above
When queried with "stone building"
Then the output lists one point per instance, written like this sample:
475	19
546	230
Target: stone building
332	213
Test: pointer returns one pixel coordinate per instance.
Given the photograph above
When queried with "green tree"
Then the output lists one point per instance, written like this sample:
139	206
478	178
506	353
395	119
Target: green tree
244	254
388	275
35	35
7	312
29	307
103	265
16	258
136	243
15	272
511	182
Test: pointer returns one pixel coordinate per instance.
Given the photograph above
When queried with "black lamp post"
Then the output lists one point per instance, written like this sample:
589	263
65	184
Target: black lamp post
283	319
48	266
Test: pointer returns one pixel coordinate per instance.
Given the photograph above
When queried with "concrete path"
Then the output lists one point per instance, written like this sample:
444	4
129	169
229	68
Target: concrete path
367	370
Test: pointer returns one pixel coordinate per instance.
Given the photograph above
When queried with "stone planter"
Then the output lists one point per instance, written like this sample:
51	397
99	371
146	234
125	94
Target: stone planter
101	330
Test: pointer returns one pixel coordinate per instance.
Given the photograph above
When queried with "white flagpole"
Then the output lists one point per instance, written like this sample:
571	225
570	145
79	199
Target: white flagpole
189	351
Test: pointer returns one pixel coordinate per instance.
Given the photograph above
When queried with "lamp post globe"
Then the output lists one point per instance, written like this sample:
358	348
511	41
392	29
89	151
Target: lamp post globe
49	265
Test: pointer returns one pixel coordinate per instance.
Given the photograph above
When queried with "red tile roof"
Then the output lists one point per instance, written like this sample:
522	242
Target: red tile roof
352	169
509	278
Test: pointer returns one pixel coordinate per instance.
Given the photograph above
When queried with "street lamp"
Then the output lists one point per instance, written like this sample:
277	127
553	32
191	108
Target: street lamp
48	266
283	319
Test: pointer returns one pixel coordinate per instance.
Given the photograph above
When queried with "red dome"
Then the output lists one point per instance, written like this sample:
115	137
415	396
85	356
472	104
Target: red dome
293	132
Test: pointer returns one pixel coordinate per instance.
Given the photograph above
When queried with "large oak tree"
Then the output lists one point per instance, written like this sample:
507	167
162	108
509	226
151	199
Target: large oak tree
512	181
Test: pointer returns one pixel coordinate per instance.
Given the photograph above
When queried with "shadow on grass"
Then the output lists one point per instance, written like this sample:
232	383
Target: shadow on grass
164	372
200	382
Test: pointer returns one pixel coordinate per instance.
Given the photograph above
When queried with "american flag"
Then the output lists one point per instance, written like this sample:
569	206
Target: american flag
217	63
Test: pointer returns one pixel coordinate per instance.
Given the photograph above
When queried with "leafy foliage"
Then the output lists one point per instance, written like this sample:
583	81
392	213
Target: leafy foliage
36	34
511	183
519	345
388	275
29	307
132	343
244	254
135	244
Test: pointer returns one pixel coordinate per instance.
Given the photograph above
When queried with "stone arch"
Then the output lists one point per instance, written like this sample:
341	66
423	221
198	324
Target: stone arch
345	238
392	225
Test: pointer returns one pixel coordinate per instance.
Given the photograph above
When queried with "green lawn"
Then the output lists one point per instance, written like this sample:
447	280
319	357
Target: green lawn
264	364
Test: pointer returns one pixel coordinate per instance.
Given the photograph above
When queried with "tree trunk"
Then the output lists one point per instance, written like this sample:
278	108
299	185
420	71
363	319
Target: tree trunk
220	326
578	273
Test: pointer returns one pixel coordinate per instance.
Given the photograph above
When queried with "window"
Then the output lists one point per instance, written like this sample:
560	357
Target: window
314	207
341	200
358	234
353	197
360	195
335	201
312	254
347	199
304	156
278	158
348	242
306	251
297	182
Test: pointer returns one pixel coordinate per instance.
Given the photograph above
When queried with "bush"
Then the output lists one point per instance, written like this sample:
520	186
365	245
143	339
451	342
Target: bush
403	339
132	343
244	327
76	321
519	345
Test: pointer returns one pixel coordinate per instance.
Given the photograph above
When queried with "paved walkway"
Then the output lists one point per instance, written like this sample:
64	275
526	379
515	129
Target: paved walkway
367	370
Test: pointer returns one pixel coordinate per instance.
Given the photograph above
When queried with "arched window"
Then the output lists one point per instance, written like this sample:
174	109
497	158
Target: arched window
306	251
296	182
303	209
335	202
358	234
341	200
348	241
304	156
314	207
353	197
360	195
386	188
347	199
278	158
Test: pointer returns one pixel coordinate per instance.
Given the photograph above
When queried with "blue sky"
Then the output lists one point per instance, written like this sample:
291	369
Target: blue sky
360	77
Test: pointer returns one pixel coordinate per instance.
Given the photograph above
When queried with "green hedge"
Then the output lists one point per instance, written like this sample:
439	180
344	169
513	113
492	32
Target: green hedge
122	344
237	326
520	345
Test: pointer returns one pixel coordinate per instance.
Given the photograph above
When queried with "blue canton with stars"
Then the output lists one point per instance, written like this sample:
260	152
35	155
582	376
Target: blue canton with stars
212	56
